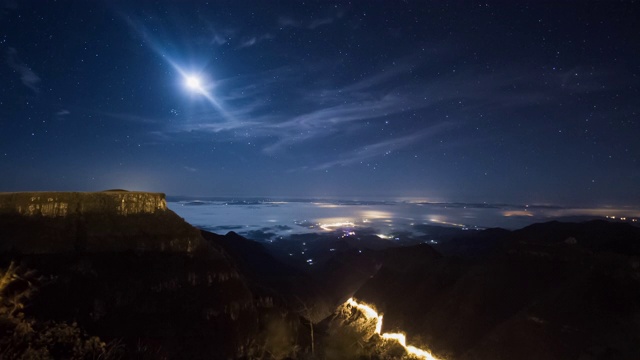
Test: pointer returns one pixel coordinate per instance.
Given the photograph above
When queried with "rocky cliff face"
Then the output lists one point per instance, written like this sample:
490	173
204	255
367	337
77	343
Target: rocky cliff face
56	204
109	221
125	268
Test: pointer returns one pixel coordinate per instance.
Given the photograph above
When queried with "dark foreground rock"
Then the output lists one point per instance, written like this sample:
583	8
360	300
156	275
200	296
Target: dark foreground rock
125	268
552	291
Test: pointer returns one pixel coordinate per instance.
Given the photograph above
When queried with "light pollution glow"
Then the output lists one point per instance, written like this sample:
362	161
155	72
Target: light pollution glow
333	226
307	216
398	337
517	213
438	221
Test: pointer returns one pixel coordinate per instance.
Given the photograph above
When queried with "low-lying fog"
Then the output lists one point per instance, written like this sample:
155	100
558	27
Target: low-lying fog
265	219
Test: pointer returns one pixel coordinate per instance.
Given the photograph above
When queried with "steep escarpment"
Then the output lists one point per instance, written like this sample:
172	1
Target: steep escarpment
126	269
58	222
56	204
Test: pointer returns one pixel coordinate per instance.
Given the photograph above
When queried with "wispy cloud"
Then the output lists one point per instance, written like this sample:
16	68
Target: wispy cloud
214	127
324	121
132	118
286	108
27	75
585	79
253	40
314	113
217	37
285	21
320	22
63	112
384	147
311	24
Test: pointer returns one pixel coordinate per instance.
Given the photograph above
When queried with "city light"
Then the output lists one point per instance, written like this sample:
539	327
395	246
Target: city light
333	226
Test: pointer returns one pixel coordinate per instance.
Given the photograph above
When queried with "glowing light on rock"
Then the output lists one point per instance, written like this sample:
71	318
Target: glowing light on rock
400	338
397	337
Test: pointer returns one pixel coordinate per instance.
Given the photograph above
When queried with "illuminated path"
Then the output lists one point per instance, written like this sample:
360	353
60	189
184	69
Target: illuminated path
400	338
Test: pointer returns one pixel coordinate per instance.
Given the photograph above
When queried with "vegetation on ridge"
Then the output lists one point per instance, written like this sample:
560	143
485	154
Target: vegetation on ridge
26	338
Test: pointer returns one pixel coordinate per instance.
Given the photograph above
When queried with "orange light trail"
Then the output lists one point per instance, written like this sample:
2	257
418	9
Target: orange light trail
398	337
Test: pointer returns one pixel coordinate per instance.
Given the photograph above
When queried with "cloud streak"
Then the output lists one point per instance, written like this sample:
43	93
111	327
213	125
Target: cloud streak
27	75
311	24
384	147
253	40
284	110
328	120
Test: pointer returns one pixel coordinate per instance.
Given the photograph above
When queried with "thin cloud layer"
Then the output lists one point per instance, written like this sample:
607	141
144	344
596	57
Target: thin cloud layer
27	75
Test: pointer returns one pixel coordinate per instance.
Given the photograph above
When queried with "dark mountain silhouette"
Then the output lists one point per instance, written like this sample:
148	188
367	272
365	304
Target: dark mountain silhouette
551	291
127	271
596	235
125	268
321	289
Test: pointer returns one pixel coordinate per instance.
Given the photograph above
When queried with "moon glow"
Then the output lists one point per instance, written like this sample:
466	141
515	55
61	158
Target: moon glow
202	86
194	83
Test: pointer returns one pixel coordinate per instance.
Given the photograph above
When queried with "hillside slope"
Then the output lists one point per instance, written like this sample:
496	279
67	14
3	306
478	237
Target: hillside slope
534	297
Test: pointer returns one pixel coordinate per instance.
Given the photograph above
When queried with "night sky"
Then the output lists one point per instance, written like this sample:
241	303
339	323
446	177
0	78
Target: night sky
503	102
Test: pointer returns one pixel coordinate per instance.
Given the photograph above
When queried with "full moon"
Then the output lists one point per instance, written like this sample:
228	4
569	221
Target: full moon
201	85
194	83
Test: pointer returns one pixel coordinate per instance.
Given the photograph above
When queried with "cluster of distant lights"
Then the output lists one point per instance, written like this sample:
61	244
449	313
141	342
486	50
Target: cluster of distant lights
437	221
347	230
337	225
461	226
621	218
348	226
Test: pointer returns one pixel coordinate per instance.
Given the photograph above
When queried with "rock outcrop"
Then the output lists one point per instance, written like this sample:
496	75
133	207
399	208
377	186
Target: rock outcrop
127	269
109	221
56	204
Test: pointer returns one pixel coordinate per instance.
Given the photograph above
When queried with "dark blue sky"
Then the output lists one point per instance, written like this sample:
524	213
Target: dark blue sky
449	101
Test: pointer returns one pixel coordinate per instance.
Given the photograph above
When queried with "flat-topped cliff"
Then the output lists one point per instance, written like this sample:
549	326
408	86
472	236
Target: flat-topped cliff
107	221
55	204
126	268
